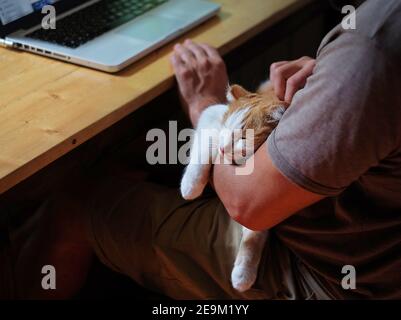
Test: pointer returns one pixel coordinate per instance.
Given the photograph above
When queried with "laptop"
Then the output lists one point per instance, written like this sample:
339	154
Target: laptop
107	35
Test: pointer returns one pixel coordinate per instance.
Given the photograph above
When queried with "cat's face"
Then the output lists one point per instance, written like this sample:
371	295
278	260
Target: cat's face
259	112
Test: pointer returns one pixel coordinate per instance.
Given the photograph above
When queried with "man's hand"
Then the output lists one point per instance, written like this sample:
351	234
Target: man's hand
201	75
288	77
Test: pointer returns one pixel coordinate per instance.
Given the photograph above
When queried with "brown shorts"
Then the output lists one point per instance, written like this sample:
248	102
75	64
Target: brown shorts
184	249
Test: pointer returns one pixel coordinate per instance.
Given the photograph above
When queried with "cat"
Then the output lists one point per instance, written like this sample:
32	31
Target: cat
221	131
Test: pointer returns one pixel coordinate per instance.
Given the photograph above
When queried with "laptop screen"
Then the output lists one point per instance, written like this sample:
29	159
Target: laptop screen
12	10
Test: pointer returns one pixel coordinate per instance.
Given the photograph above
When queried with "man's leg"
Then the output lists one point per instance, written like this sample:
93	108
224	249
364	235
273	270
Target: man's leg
182	249
56	236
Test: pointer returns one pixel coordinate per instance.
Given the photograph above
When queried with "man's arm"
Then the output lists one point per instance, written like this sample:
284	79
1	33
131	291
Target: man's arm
262	199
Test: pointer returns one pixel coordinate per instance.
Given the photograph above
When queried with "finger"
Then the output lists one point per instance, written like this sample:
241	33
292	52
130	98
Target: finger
185	55
297	82
274	66
211	52
277	86
281	74
182	71
176	62
196	50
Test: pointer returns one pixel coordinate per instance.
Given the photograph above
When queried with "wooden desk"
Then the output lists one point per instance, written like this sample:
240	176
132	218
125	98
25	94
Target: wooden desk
48	108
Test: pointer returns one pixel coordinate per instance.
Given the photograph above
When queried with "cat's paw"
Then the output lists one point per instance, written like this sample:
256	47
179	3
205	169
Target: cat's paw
243	278
191	188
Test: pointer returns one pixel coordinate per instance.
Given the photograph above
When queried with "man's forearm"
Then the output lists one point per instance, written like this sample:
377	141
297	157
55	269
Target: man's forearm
226	185
262	199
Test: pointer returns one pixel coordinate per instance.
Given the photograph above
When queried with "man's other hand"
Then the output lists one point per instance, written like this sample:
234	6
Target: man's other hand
201	75
288	77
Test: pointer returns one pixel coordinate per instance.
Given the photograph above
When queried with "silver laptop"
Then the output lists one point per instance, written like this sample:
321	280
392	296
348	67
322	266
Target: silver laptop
102	34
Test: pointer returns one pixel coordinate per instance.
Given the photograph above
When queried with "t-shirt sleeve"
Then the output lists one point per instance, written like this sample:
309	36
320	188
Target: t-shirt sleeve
345	121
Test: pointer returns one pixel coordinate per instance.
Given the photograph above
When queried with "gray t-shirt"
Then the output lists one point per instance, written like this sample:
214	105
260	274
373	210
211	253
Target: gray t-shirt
341	138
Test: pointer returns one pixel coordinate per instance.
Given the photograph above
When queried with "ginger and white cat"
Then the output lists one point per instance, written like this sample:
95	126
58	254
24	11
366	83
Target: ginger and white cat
221	132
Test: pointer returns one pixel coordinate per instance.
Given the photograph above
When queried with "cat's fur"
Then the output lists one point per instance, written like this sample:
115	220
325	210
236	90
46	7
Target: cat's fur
259	111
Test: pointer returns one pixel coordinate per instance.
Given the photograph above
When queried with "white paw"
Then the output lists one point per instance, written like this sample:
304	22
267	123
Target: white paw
190	188
243	278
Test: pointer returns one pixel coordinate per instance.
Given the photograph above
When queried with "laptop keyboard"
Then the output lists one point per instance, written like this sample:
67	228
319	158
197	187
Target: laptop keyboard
91	22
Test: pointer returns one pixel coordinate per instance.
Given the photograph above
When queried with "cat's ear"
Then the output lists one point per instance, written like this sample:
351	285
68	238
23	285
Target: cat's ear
235	92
